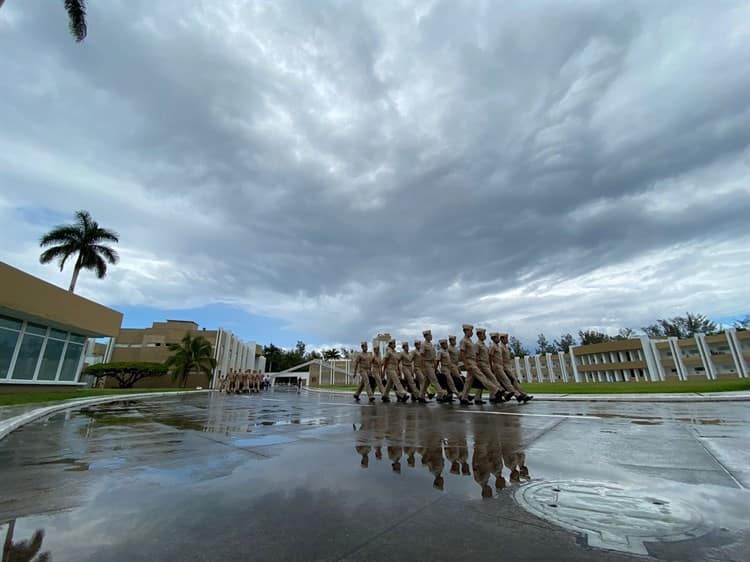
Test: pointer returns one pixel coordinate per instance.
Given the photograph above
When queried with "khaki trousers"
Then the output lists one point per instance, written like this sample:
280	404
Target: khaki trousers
431	378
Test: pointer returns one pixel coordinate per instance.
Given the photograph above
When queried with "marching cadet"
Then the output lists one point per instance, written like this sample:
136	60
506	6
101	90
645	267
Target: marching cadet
483	363
455	356
405	363
469	359
376	370
507	360
417	363
363	366
428	365
390	373
496	365
446	367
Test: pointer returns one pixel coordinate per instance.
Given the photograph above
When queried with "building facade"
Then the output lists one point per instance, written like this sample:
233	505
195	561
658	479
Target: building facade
151	344
725	355
46	331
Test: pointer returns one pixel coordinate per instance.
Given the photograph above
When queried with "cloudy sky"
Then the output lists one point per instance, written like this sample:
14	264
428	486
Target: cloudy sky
326	170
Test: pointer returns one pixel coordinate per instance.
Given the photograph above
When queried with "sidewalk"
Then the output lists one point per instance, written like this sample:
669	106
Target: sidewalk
741	396
13	417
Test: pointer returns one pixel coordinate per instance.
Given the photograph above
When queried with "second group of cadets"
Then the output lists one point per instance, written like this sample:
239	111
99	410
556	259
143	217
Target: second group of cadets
410	373
241	382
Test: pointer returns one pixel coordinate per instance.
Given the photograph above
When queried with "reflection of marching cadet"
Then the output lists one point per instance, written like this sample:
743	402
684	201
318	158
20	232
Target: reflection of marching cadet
363	366
480	460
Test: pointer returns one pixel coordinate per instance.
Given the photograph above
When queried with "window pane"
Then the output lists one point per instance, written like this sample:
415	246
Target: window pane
77	339
7	346
36	329
58	335
50	360
70	363
12	323
27	357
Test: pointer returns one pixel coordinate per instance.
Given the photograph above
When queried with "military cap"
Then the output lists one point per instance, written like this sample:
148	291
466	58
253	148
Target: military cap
451	337
363	343
441	342
467	327
480	330
425	332
494	334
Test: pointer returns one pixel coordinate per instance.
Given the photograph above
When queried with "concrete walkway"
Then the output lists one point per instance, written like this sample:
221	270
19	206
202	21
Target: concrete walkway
739	396
13	417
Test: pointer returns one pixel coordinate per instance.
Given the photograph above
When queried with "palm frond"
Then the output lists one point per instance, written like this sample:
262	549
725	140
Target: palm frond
77	18
107	253
61	234
56	252
101	267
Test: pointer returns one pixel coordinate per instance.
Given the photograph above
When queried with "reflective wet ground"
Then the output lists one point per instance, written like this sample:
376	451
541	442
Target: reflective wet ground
285	476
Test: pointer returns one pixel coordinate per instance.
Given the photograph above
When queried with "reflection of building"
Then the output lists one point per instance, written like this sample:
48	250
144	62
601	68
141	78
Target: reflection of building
150	344
725	355
44	330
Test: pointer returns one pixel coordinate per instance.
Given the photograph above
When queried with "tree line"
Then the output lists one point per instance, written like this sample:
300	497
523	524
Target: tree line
280	359
679	326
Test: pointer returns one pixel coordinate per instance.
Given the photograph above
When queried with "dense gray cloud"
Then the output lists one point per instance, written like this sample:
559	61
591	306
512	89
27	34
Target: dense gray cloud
356	167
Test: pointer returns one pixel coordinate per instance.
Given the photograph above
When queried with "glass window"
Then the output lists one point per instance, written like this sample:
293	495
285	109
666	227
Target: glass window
10	323
58	335
8	341
28	355
77	339
36	329
50	360
70	362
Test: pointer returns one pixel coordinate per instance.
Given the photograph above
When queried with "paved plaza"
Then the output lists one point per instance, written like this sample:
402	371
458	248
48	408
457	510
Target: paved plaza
283	476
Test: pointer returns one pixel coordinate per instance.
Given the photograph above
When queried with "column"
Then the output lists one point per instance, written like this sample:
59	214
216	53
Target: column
563	366
735	348
679	364
658	359
519	374
527	368
550	367
651	362
251	355
576	376
538	365
705	354
226	341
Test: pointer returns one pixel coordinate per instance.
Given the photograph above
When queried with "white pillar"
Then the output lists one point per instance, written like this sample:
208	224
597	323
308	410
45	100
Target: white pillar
679	364
735	348
576	376
517	362
527	368
658	360
648	354
550	367
705	354
563	366
538	365
251	355
109	350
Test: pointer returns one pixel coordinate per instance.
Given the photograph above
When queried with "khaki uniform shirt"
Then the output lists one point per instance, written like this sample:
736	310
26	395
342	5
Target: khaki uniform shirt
391	359
446	363
507	357
363	362
496	354
377	363
428	354
470	353
416	359
455	355
405	358
483	355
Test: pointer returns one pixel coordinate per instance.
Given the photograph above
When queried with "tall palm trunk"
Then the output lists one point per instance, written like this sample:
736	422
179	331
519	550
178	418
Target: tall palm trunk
11	524
76	271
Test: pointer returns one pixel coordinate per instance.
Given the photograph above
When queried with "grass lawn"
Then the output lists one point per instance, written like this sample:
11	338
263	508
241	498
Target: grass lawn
617	387
15	399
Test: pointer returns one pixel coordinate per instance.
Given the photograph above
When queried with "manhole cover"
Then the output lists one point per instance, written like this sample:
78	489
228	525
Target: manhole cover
611	516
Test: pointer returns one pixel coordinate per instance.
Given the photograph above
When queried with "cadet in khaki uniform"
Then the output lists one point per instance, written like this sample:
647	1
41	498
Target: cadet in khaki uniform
469	359
455	363
390	373
429	359
446	367
363	366
377	370
405	362
507	361
496	364
418	363
483	362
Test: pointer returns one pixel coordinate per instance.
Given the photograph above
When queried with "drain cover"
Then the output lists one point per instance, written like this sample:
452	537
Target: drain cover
611	516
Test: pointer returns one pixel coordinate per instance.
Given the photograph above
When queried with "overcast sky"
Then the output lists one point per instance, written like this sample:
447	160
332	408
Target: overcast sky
329	170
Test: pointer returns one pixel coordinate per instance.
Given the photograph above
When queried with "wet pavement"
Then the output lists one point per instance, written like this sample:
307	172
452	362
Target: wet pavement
313	477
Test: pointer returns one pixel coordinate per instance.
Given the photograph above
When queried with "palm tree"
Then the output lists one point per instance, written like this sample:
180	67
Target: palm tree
76	17
85	238
191	355
331	354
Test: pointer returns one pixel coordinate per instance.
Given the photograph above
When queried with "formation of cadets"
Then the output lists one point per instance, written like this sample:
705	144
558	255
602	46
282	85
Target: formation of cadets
496	452
411	373
242	382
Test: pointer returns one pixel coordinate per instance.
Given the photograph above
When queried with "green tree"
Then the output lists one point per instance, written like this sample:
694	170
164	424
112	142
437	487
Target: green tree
24	551
625	334
565	342
588	337
543	346
681	326
192	355
126	373
332	353
86	239
516	347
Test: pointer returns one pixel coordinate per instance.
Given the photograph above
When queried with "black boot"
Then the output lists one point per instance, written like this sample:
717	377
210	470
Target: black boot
356	397
479	401
465	402
385	399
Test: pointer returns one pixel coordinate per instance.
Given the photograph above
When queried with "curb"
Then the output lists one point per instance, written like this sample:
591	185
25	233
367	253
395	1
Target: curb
642	398
11	424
